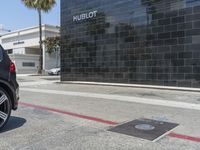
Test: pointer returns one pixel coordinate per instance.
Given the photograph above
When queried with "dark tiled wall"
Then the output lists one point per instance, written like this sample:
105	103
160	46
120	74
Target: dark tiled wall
135	41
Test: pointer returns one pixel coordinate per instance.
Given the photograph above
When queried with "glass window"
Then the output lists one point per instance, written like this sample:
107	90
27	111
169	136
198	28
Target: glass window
28	64
10	51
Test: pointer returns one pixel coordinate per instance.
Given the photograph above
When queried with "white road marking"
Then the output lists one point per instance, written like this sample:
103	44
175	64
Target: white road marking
166	103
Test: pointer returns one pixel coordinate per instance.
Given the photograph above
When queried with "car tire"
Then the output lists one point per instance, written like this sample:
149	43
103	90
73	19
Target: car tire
5	107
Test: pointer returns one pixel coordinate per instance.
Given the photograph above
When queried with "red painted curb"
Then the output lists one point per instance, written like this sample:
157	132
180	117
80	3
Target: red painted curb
69	113
184	137
172	134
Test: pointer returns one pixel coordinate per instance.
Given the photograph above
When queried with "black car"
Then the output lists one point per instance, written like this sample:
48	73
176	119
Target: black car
9	88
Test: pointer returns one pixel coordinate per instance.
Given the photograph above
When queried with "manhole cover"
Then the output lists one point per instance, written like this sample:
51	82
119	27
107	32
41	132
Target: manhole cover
147	129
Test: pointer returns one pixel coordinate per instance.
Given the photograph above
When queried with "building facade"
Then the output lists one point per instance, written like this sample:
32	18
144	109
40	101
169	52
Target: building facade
154	42
23	48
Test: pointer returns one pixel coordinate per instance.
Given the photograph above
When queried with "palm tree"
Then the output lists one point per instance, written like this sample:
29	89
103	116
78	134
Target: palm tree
40	6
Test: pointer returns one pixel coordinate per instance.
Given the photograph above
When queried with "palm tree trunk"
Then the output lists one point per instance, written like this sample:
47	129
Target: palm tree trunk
40	68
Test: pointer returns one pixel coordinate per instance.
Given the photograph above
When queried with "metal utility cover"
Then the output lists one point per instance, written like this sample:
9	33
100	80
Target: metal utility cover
147	129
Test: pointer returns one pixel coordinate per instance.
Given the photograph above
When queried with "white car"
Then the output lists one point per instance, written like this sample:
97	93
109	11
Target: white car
54	71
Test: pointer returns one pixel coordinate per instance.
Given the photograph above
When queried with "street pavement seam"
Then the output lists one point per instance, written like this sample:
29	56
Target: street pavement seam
172	134
156	102
23	84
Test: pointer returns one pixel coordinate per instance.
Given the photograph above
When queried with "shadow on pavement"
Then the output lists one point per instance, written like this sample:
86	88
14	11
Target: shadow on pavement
13	123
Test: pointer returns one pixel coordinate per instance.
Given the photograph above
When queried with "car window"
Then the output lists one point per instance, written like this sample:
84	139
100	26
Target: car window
1	53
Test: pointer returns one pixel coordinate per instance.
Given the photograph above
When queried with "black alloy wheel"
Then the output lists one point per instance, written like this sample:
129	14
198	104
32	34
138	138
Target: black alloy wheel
5	107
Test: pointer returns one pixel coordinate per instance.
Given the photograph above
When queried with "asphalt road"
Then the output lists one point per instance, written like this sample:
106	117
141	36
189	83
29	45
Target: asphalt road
54	116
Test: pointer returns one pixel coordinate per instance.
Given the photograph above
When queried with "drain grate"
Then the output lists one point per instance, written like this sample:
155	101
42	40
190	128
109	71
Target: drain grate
147	129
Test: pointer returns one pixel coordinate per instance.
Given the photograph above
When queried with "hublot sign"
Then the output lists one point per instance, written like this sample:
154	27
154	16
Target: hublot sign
85	16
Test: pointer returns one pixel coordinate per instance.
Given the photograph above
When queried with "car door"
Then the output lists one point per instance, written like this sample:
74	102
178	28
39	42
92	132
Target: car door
4	64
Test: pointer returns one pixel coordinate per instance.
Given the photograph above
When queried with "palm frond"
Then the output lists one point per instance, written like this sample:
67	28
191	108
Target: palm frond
43	5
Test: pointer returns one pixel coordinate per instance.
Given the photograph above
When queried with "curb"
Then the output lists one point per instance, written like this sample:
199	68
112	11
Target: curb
134	86
25	75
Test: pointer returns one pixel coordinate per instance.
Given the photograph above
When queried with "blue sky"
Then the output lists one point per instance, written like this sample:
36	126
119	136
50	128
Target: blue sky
14	15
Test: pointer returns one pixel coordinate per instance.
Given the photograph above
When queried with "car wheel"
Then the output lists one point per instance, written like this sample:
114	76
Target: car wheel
58	73
5	107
